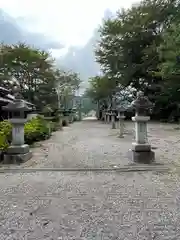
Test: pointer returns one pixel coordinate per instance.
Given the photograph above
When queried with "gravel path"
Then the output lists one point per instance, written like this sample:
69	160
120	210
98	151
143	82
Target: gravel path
91	205
94	144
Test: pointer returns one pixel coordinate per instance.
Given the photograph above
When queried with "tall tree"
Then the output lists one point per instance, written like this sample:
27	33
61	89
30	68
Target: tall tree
128	46
128	49
34	70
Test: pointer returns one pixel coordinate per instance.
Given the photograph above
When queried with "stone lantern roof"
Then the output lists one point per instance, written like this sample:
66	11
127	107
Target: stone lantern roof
141	102
47	109
121	108
18	104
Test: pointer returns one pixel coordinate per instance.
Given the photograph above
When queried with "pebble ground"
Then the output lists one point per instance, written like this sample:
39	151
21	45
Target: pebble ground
92	205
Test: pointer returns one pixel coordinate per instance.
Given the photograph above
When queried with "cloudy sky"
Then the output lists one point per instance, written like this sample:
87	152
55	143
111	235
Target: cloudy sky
68	21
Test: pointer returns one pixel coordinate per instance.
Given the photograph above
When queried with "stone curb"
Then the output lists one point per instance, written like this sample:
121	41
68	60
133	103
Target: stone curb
136	168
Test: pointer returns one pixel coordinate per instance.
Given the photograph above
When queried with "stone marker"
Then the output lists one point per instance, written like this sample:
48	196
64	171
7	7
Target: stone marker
17	152
47	115
73	113
105	117
121	117
108	117
141	149
66	116
113	115
70	115
60	118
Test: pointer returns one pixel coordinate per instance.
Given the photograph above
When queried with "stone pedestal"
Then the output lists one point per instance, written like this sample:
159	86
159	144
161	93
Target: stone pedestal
60	123
141	149
121	110
70	117
18	152
108	118
105	118
66	118
121	126
113	121
79	114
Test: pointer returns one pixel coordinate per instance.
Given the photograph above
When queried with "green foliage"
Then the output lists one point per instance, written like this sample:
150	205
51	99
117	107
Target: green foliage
101	88
128	46
3	142
5	134
35	130
138	49
5	129
169	51
87	104
40	82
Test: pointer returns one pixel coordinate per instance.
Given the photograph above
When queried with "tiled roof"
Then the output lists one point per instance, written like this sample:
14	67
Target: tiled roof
6	97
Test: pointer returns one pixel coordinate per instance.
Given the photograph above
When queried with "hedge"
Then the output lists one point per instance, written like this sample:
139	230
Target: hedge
5	134
34	130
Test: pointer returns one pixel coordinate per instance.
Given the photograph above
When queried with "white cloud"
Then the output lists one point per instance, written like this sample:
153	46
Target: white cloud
69	21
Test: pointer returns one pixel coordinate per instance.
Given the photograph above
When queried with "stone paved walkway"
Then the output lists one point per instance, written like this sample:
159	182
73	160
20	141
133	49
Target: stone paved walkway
91	205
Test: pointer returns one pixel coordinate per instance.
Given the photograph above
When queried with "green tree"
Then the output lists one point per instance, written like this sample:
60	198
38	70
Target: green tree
35	72
128	49
31	67
169	53
101	88
67	83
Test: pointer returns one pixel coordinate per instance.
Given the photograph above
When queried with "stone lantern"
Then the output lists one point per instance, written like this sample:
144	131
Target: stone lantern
141	149
17	152
105	116
113	118
113	113
108	115
66	116
121	110
47	115
73	113
61	116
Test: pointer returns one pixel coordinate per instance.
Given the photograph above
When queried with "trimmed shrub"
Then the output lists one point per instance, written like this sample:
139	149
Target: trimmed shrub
5	135
36	130
4	144
6	129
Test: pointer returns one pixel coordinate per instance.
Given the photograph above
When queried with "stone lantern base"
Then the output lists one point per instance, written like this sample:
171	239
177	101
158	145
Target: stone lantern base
142	153
17	154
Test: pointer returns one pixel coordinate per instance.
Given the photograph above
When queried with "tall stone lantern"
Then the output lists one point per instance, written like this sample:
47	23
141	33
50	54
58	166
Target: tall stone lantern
18	151
113	118
108	115
105	116
121	109
73	113
113	113
141	149
47	115
60	112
